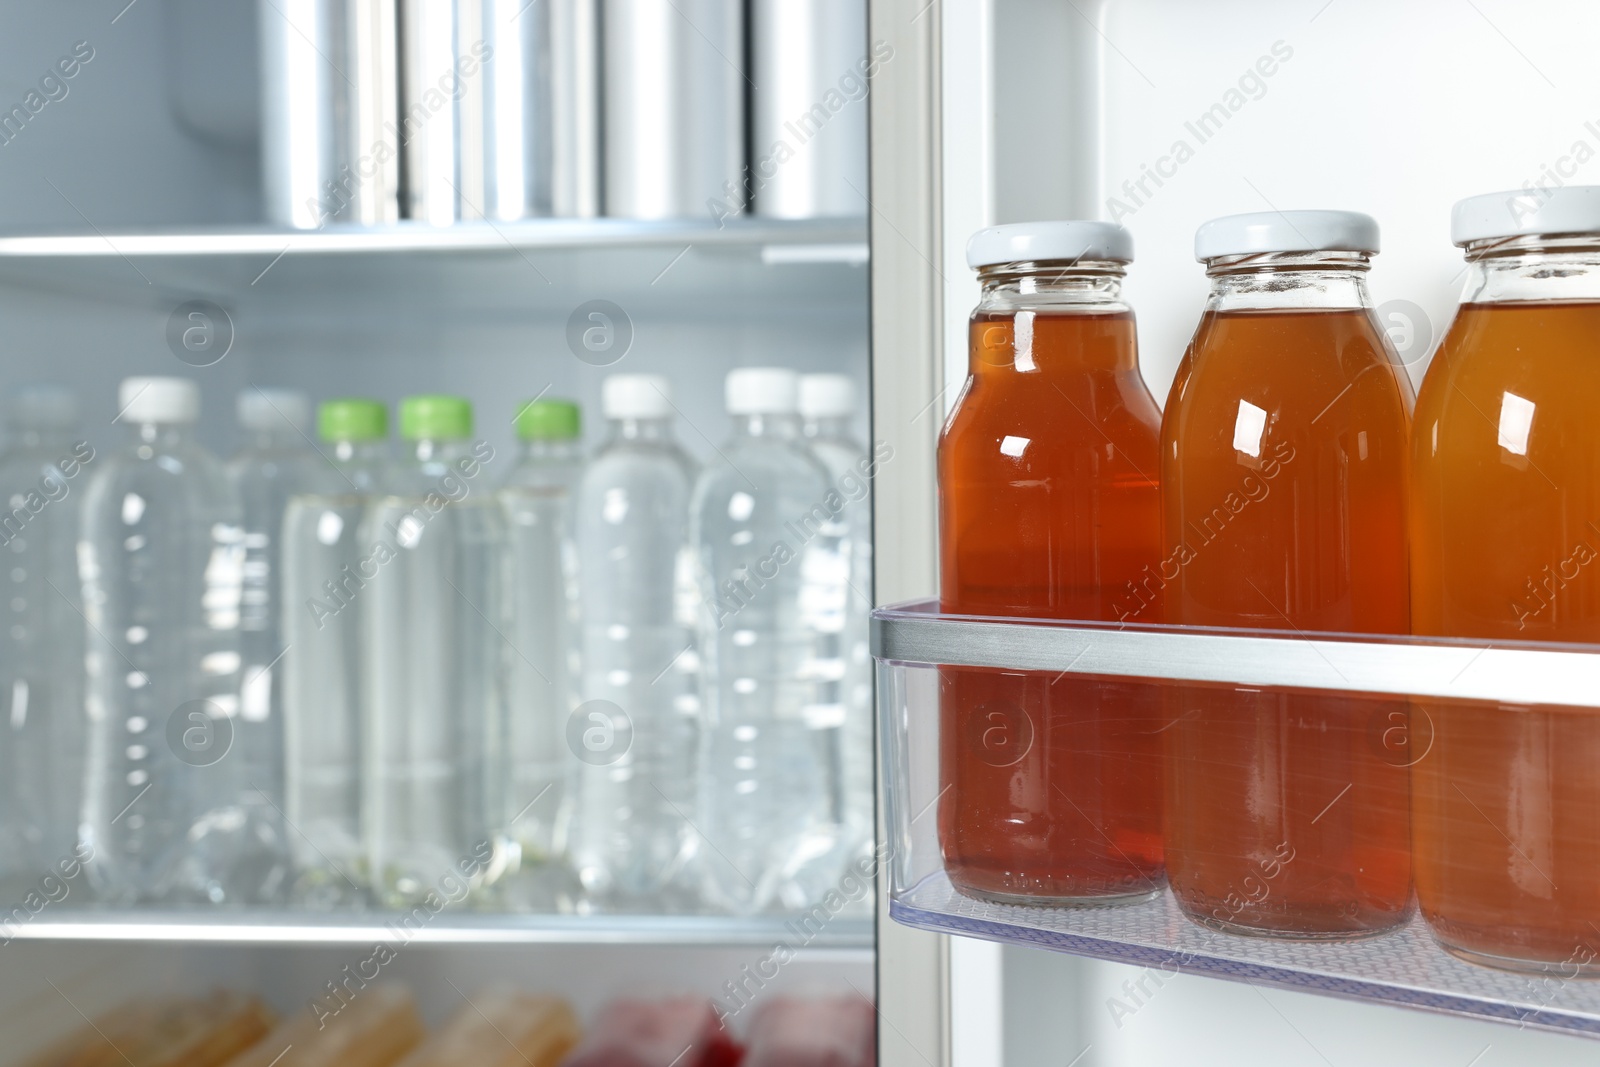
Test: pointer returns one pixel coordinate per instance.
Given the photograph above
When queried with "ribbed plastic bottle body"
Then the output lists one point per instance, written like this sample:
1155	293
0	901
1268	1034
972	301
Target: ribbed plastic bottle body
272	467
762	531
434	727
326	568
161	558
41	654
634	737
839	611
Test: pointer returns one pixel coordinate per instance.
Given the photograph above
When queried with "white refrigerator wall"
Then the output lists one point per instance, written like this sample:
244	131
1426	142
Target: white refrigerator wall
1094	109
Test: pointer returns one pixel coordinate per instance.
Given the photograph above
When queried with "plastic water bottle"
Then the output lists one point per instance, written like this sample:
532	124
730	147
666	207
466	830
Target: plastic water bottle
275	462
41	641
437	619
326	568
160	557
840	614
632	740
538	496
760	519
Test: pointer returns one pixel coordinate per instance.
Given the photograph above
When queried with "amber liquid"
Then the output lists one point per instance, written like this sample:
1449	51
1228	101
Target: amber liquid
1049	508
1506	535
1283	492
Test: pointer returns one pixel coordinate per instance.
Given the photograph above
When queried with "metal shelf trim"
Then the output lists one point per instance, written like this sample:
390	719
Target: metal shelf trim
844	239
1410	667
291	928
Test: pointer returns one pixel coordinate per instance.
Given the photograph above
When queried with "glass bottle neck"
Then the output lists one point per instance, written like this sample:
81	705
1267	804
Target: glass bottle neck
1086	285
783	426
1532	268
1289	281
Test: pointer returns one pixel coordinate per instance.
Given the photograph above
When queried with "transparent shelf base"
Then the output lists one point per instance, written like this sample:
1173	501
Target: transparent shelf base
990	725
1405	968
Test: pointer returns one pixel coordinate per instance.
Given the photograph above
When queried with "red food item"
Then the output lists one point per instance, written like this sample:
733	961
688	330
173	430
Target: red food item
676	1032
820	1032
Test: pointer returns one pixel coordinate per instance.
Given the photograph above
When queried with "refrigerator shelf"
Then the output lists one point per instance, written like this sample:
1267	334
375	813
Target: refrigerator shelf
915	646
1405	968
839	240
477	273
280	928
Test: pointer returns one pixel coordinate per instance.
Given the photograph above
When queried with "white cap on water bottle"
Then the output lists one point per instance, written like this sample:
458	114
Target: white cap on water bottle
827	396
636	396
166	400
762	391
274	409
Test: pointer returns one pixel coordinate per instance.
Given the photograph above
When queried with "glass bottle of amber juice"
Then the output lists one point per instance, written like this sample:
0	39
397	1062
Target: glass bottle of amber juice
1049	508
1283	469
1506	546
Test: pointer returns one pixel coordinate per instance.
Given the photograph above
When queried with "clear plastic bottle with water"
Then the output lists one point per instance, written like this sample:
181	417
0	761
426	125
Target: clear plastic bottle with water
326	568
839	611
41	640
632	740
436	618
538	496
275	462
760	518
160	558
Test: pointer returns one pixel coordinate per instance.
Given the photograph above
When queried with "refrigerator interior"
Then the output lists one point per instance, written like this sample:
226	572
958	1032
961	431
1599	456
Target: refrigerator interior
136	193
1160	115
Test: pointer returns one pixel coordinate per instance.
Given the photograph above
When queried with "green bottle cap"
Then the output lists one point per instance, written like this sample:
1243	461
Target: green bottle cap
549	420
352	419
446	418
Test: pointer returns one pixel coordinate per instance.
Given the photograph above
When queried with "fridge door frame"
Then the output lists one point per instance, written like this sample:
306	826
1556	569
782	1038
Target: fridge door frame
905	231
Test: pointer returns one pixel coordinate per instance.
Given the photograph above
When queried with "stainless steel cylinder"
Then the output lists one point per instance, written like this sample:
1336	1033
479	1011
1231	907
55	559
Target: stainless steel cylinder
674	107
808	152
329	153
499	110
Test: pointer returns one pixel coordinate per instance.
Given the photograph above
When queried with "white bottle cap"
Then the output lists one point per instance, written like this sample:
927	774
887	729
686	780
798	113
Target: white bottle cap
168	400
1049	242
636	396
827	396
762	391
1286	231
1572	209
44	406
274	409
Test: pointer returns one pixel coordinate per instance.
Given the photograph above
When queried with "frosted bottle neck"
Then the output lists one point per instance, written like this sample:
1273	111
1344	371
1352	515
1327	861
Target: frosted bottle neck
782	426
641	429
358	453
163	433
276	439
551	451
43	438
1083	285
1505	270
1289	281
832	428
436	449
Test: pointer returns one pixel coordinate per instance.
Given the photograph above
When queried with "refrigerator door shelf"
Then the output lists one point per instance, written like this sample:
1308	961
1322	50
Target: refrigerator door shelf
1367	678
